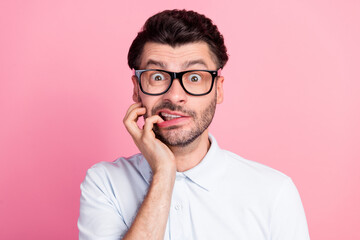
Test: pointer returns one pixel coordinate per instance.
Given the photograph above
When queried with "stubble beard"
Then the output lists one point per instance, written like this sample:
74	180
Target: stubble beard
175	136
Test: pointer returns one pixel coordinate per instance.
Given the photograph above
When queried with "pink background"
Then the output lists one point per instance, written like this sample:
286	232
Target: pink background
292	88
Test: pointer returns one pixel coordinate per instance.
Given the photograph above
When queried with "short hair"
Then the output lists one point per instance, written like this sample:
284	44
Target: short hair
175	28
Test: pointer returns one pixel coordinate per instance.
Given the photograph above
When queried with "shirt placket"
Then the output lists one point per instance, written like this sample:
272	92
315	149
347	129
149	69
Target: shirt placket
179	214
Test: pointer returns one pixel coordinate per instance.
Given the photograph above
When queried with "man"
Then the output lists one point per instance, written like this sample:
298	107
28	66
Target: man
182	185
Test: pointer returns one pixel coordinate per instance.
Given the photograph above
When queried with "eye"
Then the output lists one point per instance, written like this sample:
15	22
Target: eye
194	78
158	77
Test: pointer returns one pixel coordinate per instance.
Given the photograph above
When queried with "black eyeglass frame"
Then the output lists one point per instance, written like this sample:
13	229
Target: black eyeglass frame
177	75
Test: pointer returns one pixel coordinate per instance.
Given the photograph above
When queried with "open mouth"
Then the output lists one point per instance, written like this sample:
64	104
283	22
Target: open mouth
168	117
172	119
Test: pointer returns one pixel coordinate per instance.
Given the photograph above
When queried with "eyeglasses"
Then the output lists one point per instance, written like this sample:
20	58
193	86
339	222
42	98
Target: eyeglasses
194	82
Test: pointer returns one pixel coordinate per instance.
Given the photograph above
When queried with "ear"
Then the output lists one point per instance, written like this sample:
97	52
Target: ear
220	89
135	96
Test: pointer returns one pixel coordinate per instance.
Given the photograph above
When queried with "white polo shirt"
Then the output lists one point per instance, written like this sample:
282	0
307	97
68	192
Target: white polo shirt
223	197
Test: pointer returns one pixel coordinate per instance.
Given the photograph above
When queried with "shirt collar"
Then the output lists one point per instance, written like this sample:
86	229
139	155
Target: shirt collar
206	174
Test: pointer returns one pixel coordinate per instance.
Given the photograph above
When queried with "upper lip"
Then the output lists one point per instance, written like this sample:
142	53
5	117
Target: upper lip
170	112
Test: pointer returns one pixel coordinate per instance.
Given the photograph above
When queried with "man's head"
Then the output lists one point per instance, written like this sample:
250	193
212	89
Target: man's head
178	41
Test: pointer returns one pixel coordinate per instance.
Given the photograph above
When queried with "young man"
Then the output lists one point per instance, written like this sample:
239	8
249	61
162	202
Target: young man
182	185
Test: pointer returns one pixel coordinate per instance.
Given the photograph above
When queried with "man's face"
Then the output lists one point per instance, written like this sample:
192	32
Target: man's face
186	116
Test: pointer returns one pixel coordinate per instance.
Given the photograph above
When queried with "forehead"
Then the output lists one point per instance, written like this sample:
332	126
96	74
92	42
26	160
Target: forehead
191	55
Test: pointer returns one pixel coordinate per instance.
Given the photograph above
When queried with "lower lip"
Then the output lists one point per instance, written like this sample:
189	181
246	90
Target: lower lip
173	122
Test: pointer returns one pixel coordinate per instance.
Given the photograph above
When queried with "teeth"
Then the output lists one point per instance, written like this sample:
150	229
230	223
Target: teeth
168	117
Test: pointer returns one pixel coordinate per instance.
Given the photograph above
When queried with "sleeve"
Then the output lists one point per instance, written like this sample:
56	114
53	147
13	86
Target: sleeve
288	216
99	217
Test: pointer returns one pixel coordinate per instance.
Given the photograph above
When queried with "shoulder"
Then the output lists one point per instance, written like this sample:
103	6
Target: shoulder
255	176
121	171
110	195
240	169
252	168
121	164
255	184
268	193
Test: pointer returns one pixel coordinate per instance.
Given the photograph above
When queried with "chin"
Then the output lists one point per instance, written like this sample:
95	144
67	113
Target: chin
178	138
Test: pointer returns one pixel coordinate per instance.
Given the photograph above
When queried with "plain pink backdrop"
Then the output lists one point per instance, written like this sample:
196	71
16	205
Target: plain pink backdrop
291	102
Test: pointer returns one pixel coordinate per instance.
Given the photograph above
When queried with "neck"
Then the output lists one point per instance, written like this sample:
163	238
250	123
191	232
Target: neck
191	155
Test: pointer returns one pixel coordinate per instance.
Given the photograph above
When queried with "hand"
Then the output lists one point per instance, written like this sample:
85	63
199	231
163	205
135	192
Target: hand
158	155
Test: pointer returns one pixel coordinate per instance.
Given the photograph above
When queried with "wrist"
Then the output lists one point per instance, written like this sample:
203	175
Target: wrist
164	175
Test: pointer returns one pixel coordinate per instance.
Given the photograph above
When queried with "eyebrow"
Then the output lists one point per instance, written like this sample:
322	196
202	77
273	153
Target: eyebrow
156	63
186	65
194	62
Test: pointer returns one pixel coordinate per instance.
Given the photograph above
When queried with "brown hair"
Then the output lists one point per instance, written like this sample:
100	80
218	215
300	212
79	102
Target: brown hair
177	27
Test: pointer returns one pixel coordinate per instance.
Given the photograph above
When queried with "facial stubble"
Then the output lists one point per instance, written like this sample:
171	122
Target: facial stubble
174	135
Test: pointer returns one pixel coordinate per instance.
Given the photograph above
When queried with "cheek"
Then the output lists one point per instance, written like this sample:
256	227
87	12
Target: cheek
149	102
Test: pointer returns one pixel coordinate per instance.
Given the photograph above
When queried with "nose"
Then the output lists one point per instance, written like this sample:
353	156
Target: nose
176	94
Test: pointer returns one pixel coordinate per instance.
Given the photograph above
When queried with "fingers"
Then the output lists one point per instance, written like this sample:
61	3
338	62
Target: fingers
131	117
150	121
146	134
131	108
156	152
